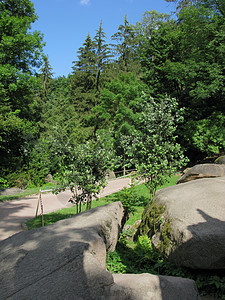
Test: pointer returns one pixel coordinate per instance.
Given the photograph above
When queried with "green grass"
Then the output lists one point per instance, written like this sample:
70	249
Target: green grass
28	192
143	198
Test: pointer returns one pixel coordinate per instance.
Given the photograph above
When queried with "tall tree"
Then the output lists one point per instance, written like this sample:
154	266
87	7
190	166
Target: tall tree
125	45
217	5
46	75
83	79
102	54
20	54
185	59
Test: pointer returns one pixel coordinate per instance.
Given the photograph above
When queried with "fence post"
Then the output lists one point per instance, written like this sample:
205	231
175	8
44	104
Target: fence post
42	210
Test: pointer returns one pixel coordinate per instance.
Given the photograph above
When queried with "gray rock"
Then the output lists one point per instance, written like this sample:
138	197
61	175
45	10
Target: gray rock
61	261
49	179
110	175
152	287
66	260
220	160
202	171
197	212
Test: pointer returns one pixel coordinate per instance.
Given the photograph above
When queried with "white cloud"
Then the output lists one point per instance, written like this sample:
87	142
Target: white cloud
84	2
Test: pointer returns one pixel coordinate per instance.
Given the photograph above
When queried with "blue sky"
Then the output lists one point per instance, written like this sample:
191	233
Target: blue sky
66	23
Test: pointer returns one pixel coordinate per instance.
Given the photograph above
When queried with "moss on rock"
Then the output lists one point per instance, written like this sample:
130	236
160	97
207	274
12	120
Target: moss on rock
157	226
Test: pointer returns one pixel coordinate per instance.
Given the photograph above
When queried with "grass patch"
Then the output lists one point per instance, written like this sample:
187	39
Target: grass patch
28	192
143	199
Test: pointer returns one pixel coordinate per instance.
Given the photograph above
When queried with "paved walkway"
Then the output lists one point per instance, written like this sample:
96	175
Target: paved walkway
14	213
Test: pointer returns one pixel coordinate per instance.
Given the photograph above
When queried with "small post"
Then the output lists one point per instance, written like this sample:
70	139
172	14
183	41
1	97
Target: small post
42	210
39	195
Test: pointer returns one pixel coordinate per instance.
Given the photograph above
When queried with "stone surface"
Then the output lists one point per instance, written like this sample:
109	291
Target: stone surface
61	261
111	175
66	260
220	160
49	179
203	171
152	287
197	212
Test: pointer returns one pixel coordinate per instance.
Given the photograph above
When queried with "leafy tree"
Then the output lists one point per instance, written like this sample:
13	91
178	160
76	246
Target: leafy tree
86	170
154	149
217	5
20	54
16	140
118	110
185	60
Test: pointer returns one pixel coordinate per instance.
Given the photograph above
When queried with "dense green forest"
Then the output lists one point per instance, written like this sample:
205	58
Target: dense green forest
153	96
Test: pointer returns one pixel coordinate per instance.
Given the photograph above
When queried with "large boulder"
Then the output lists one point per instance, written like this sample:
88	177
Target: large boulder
61	261
66	260
196	214
203	171
152	287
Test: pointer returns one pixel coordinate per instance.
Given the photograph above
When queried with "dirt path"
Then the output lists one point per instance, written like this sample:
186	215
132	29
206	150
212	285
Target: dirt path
14	213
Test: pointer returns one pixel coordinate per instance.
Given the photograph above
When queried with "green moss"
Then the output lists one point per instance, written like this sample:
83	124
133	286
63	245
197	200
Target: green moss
155	221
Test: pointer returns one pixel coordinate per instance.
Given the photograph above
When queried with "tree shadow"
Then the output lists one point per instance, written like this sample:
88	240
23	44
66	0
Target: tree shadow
65	260
206	248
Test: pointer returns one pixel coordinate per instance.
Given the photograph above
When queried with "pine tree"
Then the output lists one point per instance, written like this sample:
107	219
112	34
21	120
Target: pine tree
124	48
102	53
46	75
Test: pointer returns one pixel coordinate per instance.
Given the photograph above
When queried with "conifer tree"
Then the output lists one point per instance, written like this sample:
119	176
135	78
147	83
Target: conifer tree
102	53
46	75
124	48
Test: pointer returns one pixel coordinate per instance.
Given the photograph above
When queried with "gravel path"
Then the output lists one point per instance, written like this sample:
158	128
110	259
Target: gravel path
14	213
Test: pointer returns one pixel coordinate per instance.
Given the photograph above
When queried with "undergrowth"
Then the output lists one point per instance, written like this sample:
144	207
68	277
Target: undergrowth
140	257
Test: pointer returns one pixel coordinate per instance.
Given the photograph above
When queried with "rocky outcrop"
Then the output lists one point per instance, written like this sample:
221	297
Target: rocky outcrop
66	260
220	160
196	211
203	171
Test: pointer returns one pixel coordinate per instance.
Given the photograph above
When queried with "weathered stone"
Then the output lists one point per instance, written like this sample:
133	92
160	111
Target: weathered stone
202	171
110	175
66	260
220	160
197	213
61	261
152	287
50	179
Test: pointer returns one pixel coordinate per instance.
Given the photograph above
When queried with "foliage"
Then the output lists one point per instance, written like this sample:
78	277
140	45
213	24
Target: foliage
185	60
141	258
86	167
118	109
154	222
124	48
20	54
206	135
17	137
154	149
